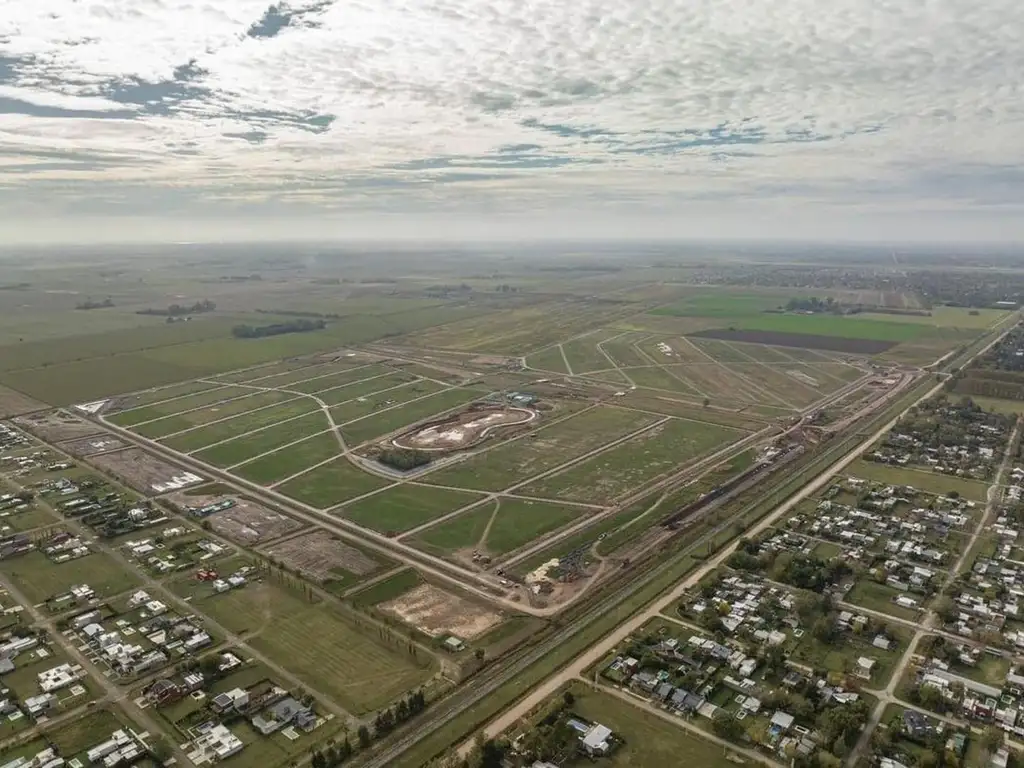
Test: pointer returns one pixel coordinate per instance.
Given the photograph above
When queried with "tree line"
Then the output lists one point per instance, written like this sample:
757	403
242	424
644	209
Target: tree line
276	329
177	310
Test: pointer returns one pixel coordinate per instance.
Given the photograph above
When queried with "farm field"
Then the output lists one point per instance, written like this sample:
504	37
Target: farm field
633	464
403	507
351	666
546	448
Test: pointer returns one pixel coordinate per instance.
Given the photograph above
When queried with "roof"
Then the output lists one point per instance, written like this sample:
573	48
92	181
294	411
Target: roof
782	720
597	736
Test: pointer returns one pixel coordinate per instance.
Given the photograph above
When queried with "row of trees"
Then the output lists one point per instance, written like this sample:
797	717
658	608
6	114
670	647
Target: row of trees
260	331
177	310
403	459
90	304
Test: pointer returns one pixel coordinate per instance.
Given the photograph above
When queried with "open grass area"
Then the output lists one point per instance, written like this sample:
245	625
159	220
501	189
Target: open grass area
382	395
200	437
40	579
631	465
921	479
998	405
549	359
388	589
879	597
352	666
283	463
649	740
365	388
179	422
520	521
375	426
542	450
462	532
171	404
241	449
403	507
944	317
331	484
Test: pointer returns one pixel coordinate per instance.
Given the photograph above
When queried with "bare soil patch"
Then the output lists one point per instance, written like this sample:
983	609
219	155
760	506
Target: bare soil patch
318	555
804	340
90	446
246	523
55	426
435	612
13	403
464	429
145	472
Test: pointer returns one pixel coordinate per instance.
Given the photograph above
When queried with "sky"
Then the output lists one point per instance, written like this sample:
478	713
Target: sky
192	120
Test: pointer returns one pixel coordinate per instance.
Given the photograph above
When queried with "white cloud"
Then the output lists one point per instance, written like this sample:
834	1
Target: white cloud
657	102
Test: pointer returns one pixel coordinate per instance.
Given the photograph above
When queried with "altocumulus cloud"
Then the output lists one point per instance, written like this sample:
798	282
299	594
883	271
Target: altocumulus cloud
418	105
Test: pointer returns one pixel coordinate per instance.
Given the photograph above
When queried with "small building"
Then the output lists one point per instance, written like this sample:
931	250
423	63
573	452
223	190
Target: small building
453	644
595	740
865	667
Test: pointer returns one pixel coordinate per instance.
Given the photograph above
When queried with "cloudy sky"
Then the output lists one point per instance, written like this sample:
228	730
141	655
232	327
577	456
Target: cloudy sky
206	119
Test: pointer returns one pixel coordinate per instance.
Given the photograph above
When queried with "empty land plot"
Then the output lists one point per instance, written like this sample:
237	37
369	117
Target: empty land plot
150	396
285	462
262	371
13	403
720	351
459	533
271	438
324	558
583	354
542	450
808	340
847	373
57	425
380	398
761	353
658	451
200	437
319	646
378	384
921	479
520	521
661	378
403	507
288	378
388	421
331	484
40	579
246	523
436	612
622	351
789	387
673	405
179	422
944	317
549	359
145	472
169	407
720	383
90	446
338	379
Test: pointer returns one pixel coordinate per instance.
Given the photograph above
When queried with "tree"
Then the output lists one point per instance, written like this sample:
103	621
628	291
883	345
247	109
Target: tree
992	739
479	654
568	699
364	737
727	727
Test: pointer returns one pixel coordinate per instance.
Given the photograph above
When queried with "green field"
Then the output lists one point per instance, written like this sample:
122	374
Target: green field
722	303
351	666
631	465
331	484
267	439
378	398
200	437
388	589
40	579
179	422
998	405
462	532
945	317
549	359
921	479
350	393
170	405
285	462
398	509
879	597
375	426
542	450
148	397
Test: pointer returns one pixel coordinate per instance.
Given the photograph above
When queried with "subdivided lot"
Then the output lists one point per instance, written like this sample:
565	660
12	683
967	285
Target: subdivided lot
583	353
270	369
648	740
355	407
380	424
403	507
670	405
880	597
348	664
201	437
90	446
497	528
854	346
151	396
331	484
179	422
379	387
170	404
631	465
13	403
921	479
326	559
283	463
664	378
331	381
40	579
542	450
145	472
253	444
57	425
248	522
549	359
437	612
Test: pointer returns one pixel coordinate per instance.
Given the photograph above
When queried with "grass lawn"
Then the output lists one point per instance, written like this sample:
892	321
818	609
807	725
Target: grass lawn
34	517
845	327
543	449
921	479
842	656
649	740
389	588
398	509
826	550
388	421
990	670
519	522
39	579
355	668
879	597
241	449
331	484
462	532
201	437
633	464
283	463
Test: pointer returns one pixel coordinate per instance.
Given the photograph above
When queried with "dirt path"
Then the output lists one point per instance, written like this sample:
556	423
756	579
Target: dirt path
565	359
610	359
482	543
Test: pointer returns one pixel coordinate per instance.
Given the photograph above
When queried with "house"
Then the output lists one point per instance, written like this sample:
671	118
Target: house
284	712
36	706
915	725
882	642
595	741
865	667
218	743
780	723
236	699
163	692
